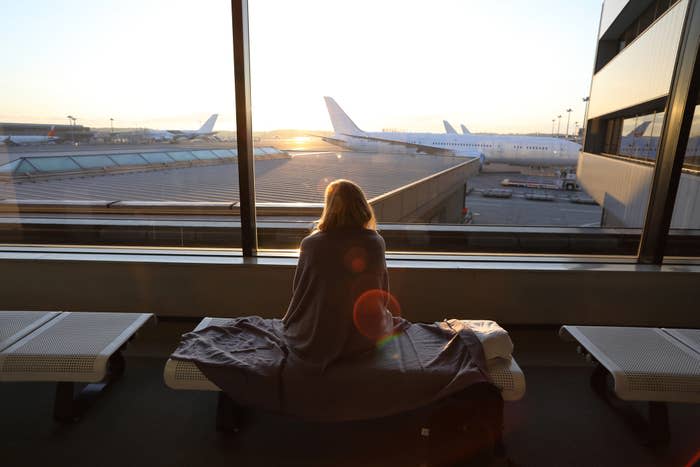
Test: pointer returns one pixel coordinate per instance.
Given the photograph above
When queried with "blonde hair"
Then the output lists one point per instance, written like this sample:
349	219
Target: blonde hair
345	206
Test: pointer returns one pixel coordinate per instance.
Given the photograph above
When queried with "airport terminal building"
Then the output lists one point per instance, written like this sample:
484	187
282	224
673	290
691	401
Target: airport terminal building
638	51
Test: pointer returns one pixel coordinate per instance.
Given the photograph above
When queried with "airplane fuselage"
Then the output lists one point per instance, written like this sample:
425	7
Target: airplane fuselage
26	139
506	149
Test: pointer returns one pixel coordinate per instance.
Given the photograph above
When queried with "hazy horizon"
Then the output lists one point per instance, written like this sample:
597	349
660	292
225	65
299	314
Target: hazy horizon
510	68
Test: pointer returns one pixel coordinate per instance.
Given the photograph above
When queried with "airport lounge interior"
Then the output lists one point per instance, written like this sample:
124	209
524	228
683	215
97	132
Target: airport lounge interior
247	233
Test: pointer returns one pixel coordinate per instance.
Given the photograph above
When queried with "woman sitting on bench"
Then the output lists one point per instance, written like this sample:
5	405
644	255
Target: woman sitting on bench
342	351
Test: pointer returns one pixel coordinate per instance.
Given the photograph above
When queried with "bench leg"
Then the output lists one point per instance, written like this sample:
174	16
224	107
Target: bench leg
65	406
659	433
72	399
598	381
653	429
229	415
116	366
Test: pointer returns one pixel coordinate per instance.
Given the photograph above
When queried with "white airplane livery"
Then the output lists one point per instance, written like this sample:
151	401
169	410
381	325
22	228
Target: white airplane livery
29	139
516	150
449	129
174	135
205	130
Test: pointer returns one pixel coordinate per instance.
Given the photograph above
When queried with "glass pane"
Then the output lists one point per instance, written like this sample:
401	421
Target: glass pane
25	168
684	237
156	157
652	141
105	118
54	164
92	162
204	154
222	153
182	155
640	136
476	154
128	159
9	167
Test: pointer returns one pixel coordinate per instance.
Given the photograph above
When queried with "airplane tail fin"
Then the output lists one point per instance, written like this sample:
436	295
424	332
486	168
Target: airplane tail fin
208	126
448	128
639	129
52	132
464	130
342	124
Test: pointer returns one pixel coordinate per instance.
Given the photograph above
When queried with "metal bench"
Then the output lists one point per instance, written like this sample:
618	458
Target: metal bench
72	349
655	365
178	374
14	325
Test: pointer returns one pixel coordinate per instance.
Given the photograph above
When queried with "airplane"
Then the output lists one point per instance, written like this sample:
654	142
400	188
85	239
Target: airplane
464	130
635	144
16	140
532	151
205	130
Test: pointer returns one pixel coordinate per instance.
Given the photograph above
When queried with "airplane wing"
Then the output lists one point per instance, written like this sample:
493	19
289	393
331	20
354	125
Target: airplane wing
432	150
419	147
328	139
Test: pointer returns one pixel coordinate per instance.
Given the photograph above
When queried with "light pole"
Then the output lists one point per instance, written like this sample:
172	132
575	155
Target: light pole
559	126
553	120
575	130
71	119
568	117
111	126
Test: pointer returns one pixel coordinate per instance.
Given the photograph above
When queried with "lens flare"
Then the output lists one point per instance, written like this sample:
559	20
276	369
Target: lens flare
694	461
323	183
372	315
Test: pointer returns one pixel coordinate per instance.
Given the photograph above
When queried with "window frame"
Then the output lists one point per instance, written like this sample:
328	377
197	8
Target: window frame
667	171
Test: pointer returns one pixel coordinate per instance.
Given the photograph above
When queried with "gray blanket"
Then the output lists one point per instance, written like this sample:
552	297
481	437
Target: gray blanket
316	364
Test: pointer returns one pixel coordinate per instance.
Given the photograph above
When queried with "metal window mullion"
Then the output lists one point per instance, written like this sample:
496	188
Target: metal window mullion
244	131
680	108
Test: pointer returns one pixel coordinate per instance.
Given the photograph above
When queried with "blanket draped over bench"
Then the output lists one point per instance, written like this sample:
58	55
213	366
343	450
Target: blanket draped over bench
421	363
338	354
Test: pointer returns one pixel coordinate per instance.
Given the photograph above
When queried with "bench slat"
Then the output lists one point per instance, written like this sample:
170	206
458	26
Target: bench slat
14	325
71	347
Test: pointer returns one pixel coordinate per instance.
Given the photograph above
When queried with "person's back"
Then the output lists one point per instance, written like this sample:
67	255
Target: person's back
338	354
336	267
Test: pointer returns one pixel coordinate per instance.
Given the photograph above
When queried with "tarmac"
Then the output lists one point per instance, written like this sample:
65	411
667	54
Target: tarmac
514	211
520	211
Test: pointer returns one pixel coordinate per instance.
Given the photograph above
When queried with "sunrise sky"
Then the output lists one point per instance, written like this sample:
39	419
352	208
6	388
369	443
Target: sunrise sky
506	66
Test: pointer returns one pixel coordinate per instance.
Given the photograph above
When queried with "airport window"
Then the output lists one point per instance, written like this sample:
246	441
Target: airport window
126	158
463	181
639	137
685	222
119	129
655	10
